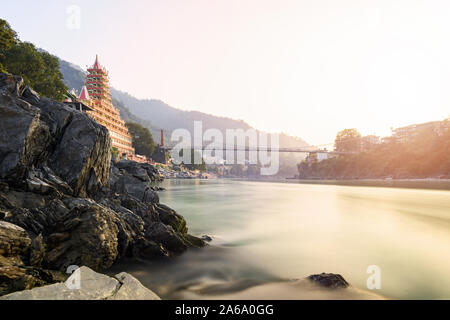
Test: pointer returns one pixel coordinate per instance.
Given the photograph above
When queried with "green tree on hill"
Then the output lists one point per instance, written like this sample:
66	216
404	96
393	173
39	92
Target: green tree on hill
142	139
115	153
348	140
39	69
426	153
8	38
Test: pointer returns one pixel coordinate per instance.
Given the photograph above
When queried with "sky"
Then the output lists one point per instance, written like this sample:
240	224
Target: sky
306	68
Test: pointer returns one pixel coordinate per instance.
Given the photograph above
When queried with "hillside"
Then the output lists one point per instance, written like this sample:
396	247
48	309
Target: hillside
171	118
155	114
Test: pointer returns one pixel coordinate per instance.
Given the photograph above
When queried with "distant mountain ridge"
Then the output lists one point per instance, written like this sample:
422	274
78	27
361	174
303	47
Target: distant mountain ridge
155	114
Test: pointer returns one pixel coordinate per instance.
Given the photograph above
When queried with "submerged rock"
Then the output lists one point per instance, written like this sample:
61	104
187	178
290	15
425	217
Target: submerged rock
206	238
85	284
329	280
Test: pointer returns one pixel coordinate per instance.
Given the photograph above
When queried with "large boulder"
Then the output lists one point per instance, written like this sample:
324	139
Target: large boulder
13	240
169	217
83	154
15	248
62	203
329	280
143	171
132	289
89	236
16	276
23	136
39	132
174	241
85	284
133	179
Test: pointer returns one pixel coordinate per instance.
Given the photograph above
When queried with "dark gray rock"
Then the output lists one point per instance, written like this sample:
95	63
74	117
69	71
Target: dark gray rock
13	239
147	249
93	240
329	280
27	200
14	249
174	241
83	154
169	217
129	185
23	136
93	286
14	276
37	251
63	202
206	238
143	171
38	132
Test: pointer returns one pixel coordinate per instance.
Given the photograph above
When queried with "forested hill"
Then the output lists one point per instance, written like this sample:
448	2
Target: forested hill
172	118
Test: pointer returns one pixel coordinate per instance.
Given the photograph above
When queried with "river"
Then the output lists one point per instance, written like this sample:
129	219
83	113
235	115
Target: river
266	233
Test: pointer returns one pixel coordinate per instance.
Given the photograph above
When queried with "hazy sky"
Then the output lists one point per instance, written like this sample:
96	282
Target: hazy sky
307	68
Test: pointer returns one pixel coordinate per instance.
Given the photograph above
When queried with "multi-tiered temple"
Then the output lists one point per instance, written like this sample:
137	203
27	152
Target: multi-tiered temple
96	94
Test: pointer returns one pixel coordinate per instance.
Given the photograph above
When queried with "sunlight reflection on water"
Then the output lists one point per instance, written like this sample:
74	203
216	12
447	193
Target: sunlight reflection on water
268	232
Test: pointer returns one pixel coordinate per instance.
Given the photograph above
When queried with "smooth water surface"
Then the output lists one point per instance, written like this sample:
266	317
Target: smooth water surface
271	232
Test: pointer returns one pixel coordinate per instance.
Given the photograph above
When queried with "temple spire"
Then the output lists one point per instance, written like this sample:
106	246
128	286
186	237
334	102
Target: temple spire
98	90
97	64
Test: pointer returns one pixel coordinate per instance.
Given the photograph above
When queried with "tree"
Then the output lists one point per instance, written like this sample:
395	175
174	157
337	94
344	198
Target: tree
40	70
426	153
8	38
348	140
142	139
52	81
115	153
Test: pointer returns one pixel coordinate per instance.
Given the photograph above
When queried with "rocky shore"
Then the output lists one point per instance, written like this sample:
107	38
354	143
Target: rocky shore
170	173
63	202
85	284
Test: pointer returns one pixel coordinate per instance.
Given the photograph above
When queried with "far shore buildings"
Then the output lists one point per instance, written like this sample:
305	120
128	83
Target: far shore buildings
369	142
318	156
95	99
405	134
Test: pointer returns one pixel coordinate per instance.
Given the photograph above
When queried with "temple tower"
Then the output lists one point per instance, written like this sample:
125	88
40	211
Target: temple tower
97	91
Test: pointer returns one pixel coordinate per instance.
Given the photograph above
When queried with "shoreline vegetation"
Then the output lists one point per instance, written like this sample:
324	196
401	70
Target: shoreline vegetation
415	152
425	183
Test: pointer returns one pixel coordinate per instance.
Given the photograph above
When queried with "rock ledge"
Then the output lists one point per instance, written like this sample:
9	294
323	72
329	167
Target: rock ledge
85	284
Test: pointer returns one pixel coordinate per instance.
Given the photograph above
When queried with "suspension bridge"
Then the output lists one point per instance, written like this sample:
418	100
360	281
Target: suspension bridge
227	148
310	149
